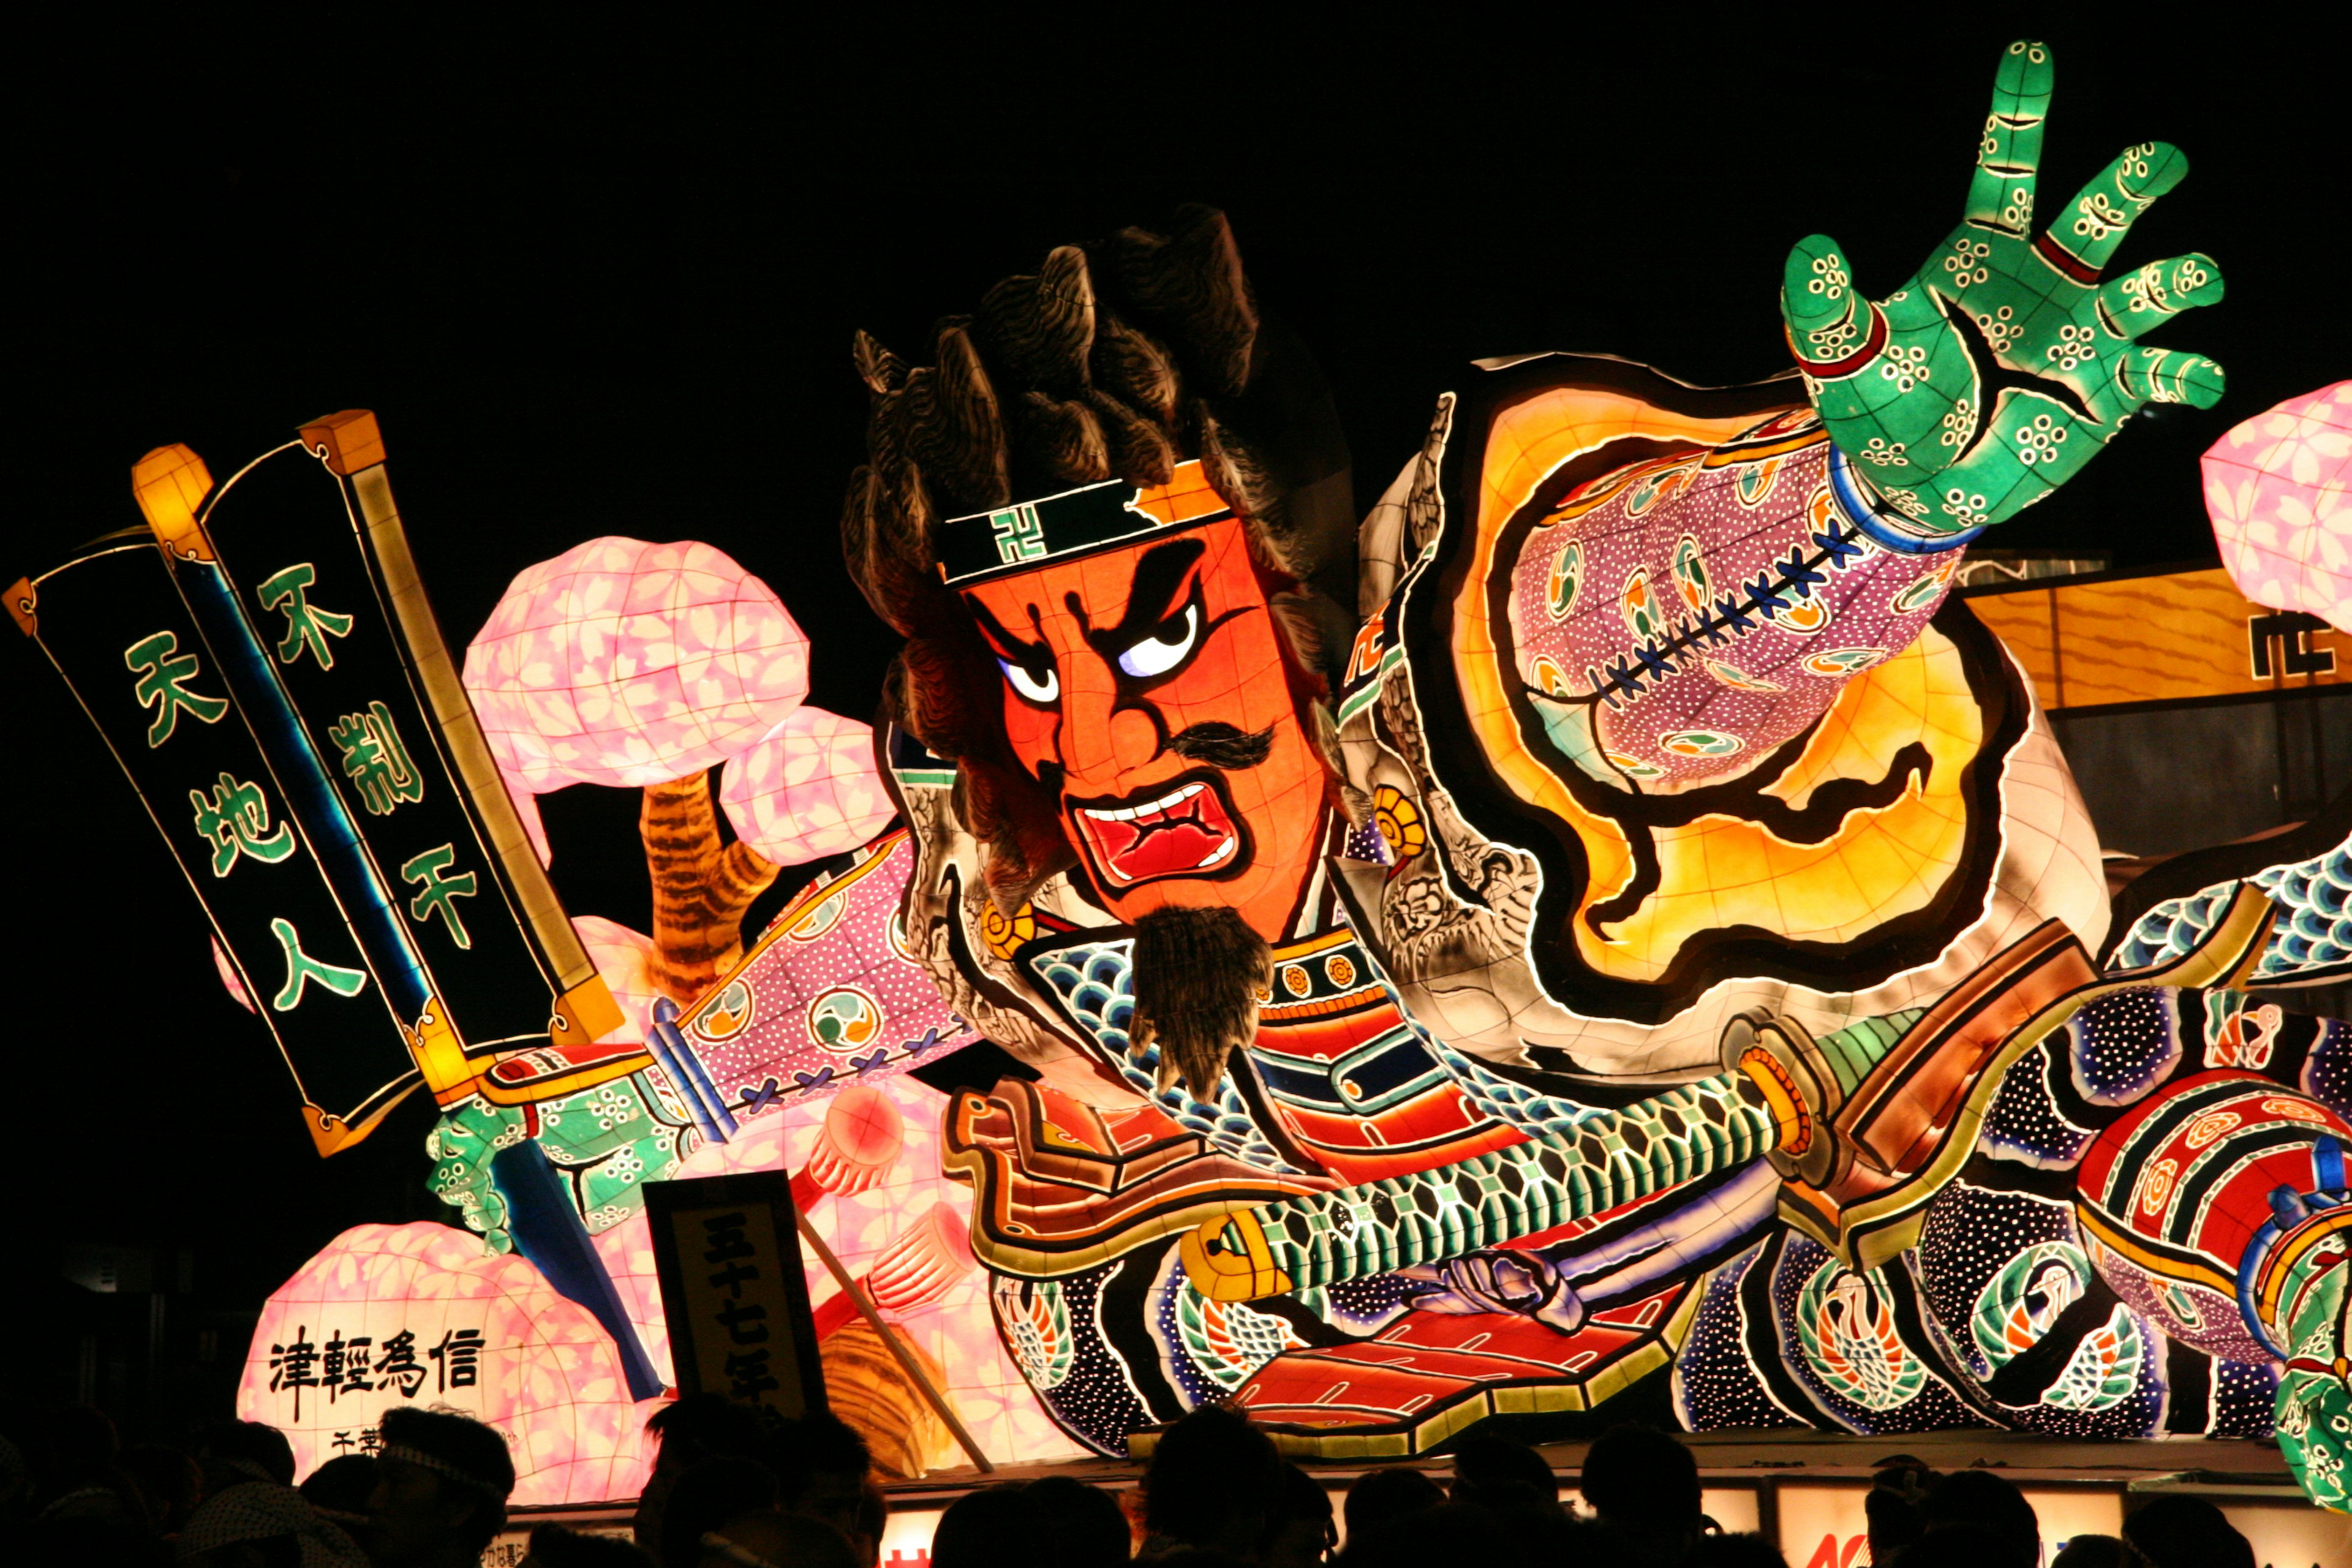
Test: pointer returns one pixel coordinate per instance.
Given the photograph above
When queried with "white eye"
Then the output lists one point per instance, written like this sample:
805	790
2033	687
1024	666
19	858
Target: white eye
1046	687
1158	655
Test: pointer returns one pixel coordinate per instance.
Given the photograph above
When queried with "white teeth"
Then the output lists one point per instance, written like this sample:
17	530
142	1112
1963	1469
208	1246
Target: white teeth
1168	802
1214	855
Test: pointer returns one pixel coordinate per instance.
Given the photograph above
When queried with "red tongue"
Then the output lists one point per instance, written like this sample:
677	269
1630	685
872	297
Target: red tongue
1160	844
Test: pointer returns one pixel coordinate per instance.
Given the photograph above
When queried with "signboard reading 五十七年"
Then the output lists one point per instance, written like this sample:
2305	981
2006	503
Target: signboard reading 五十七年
731	1285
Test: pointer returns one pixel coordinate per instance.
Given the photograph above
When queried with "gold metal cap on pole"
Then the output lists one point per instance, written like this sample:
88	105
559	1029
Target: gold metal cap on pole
170	484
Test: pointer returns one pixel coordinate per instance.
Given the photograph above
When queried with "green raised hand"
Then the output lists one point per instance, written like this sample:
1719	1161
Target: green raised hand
1986	381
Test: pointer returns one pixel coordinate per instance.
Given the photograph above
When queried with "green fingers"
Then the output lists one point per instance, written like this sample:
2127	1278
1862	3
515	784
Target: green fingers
460	1146
2161	376
1827	320
2001	196
2102	213
2141	300
2005	363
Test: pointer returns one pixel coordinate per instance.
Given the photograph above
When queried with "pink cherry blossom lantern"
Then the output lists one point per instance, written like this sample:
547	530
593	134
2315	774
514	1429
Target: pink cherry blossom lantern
418	1314
2279	490
625	663
807	789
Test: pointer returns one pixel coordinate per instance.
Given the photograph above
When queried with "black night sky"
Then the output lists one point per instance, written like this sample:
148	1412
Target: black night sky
601	278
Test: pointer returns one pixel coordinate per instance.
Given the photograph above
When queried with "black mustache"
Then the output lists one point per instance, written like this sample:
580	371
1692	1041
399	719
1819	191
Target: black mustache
1220	746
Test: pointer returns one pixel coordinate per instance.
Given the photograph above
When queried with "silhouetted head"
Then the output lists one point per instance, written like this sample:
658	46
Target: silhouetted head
2097	1552
1088	1527
442	1484
1001	1527
1380	1498
2178	1530
694	1428
1638	1477
1481	1464
1981	1499
1300	1532
716	1490
341	1488
688	1431
821	1465
232	1451
1214	1481
1896	1506
1957	1546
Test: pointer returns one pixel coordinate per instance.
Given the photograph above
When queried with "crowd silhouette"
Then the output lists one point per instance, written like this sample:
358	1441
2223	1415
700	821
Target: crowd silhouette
736	1488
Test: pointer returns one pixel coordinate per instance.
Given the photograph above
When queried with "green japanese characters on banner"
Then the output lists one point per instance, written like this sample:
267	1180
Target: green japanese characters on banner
275	723
163	675
286	539
369	749
236	819
111	622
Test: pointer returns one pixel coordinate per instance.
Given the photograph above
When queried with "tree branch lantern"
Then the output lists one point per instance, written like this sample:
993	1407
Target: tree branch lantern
702	887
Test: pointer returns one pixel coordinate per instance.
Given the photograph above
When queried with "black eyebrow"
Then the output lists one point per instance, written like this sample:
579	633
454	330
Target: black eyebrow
1029	656
1152	595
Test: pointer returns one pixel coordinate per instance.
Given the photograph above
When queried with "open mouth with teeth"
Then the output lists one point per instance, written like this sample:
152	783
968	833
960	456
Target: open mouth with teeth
1181	828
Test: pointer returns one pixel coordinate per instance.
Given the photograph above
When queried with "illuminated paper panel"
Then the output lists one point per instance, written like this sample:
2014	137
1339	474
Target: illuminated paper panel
1826	1524
2166	638
389	1317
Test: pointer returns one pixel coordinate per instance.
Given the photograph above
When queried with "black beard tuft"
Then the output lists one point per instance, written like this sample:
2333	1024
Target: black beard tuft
1197	974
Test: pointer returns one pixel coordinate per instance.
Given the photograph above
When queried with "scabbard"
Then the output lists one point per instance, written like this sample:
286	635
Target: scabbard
1604	1161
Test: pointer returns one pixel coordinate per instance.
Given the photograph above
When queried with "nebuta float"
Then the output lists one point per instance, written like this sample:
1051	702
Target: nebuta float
1605	931
1605	915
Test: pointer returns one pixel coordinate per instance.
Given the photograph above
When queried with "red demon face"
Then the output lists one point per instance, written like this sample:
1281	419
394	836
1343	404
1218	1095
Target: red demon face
1146	685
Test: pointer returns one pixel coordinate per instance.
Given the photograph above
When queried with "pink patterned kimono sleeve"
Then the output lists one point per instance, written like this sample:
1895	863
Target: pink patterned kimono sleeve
1677	619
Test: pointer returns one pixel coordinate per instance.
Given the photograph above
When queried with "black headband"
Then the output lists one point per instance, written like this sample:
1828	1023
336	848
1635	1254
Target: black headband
1093	516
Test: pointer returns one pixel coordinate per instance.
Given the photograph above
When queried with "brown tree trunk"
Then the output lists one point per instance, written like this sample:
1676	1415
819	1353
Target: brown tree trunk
701	888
